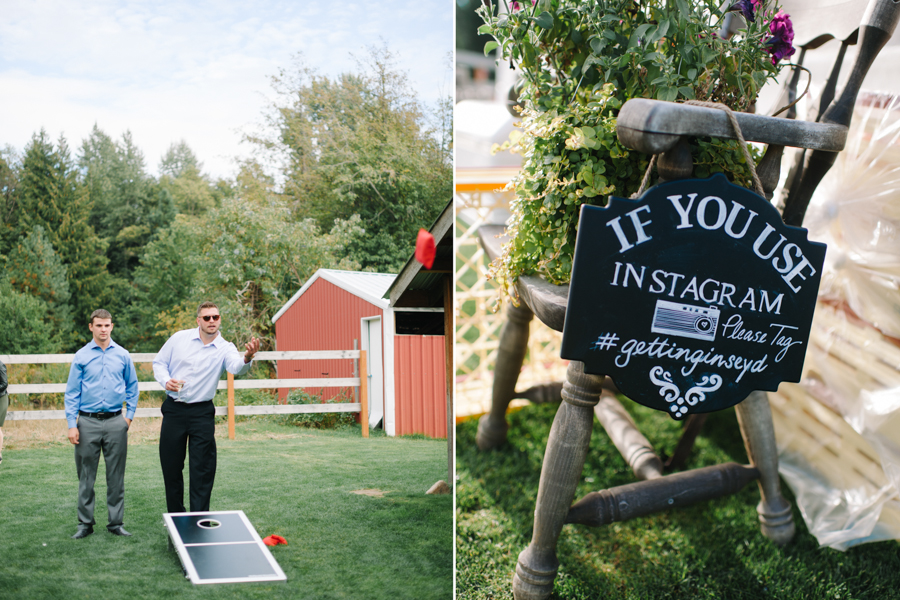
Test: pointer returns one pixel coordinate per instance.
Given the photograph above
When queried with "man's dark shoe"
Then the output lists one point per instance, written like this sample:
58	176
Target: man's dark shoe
83	532
119	530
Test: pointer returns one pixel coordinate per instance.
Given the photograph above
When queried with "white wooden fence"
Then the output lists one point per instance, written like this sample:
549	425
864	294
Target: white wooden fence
230	384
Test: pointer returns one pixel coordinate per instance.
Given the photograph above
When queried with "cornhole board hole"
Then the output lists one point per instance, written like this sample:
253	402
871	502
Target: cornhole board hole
220	547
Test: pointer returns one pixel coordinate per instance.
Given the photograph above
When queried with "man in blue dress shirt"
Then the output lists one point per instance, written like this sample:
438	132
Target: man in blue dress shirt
101	379
189	366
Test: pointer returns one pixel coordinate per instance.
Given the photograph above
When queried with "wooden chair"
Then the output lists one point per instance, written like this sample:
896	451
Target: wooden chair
661	128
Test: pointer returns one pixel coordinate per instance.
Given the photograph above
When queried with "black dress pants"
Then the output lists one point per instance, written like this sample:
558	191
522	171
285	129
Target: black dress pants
188	427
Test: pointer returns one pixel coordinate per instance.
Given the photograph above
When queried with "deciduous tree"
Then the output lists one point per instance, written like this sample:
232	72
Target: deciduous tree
359	144
248	256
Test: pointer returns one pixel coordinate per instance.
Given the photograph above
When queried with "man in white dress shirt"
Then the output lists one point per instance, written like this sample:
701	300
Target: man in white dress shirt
189	366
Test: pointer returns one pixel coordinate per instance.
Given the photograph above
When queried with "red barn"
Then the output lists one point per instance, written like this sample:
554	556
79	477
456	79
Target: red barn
344	310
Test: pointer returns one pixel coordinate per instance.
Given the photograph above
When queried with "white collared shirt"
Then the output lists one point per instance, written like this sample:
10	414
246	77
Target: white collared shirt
185	357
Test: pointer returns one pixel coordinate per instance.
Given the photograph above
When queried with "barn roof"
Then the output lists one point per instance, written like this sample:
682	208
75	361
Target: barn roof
368	286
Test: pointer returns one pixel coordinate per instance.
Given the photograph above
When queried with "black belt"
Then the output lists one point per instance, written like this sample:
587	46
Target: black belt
174	399
101	415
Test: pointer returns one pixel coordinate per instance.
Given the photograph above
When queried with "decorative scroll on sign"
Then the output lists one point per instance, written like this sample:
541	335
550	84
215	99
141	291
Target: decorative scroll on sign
692	296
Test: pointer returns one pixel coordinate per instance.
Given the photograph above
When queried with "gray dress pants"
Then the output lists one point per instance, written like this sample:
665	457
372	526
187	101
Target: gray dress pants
111	437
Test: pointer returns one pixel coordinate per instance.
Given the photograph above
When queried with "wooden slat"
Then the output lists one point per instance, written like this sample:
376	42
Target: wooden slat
35	359
242	384
288	409
141	357
33	415
829	442
275	409
230	406
146	357
850	357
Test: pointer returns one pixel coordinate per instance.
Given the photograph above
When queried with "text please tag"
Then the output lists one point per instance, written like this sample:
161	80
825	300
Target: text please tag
692	296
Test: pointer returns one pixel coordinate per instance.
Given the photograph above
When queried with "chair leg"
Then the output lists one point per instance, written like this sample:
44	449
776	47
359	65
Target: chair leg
492	427
563	461
755	419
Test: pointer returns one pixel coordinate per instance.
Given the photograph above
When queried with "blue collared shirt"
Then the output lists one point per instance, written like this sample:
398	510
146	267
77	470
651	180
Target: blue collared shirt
100	381
186	358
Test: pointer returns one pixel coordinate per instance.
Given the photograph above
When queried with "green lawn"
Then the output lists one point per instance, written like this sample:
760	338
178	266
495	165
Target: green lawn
289	481
713	550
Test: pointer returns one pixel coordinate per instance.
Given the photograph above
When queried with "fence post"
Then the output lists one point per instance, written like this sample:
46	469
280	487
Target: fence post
230	406
363	395
356	370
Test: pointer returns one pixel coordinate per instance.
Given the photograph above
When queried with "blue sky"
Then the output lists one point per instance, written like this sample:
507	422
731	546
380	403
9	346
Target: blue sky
193	70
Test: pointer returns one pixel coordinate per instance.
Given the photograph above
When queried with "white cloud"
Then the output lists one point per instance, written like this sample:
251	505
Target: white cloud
198	71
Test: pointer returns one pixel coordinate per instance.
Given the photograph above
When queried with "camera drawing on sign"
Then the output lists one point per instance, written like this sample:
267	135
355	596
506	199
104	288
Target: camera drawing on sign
692	296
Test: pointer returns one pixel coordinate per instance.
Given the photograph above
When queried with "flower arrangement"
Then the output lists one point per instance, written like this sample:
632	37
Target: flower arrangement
581	60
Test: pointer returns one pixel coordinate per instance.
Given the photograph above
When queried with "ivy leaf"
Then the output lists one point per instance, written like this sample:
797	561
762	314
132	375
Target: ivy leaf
490	46
544	20
485	29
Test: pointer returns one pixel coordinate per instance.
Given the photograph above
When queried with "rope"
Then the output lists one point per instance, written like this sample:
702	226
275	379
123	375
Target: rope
758	188
646	178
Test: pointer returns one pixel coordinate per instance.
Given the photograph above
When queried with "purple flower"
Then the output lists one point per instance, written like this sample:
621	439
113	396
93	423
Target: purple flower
518	6
780	44
746	7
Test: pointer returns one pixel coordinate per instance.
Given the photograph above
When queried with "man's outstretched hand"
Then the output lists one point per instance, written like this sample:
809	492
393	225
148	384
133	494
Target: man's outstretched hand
252	348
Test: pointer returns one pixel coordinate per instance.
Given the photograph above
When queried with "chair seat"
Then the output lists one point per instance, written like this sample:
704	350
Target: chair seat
546	300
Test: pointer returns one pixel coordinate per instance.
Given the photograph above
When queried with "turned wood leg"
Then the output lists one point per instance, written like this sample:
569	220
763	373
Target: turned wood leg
566	451
629	441
755	419
510	355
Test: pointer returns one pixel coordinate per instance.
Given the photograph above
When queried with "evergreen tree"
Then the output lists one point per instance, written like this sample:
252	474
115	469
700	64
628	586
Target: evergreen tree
26	329
97	161
9	214
35	269
179	159
39	191
128	207
180	174
50	196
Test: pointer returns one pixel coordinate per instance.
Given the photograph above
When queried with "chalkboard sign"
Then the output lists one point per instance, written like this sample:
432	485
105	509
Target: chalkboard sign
692	296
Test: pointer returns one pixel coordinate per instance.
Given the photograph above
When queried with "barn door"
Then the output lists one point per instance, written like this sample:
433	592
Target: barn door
371	336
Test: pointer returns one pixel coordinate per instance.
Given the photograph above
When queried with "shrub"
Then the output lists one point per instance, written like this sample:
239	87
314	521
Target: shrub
319	420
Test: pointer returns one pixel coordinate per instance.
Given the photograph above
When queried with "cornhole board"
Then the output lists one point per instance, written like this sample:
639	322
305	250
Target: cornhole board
220	547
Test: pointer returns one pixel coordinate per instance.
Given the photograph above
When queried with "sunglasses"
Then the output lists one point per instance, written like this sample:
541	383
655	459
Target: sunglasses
208	317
